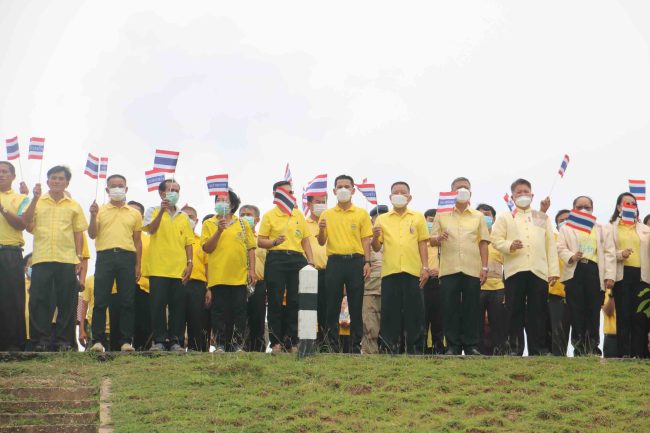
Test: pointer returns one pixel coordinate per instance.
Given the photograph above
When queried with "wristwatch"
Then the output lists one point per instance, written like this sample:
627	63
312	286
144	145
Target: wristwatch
484	268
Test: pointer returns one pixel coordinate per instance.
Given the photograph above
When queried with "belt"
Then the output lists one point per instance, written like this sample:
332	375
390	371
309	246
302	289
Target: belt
587	261
285	252
115	250
11	247
346	256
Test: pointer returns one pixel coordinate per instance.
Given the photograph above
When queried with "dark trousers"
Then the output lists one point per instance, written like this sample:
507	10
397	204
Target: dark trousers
115	338
401	303
630	325
281	273
526	301
52	280
344	271
584	298
433	317
610	346
142	323
228	315
256	309
560	324
321	306
492	304
114	266
167	293
197	316
461	296
12	294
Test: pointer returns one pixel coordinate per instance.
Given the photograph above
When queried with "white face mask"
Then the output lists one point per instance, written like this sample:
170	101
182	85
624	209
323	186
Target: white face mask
117	194
399	200
192	224
343	195
319	208
523	201
463	195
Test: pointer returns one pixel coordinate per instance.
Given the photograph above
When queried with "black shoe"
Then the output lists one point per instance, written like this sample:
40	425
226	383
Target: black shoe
449	352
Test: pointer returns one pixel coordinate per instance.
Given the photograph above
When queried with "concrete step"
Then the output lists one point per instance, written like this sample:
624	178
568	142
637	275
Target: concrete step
51	394
47	406
19	419
88	428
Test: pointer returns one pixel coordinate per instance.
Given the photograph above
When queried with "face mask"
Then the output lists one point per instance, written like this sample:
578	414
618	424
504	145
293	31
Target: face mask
343	195
192	224
29	272
523	201
117	194
250	220
398	200
222	208
489	221
559	226
172	196
430	226
463	195
319	208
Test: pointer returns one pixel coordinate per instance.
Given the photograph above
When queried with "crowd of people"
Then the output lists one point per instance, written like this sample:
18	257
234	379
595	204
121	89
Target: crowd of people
392	280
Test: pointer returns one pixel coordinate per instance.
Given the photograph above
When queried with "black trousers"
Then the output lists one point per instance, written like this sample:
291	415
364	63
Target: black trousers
321	306
630	325
197	317
433	317
142	324
167	293
344	272
461	296
584	298
280	273
12	293
114	266
560	324
401	303
256	309
610	346
526	301
115	338
492	305
52	280
228	313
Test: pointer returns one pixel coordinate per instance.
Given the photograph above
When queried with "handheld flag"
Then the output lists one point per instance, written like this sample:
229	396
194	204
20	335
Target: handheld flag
13	152
628	214
36	148
582	221
446	201
287	174
368	190
637	187
563	166
165	161
284	200
103	167
92	166
154	177
315	187
217	184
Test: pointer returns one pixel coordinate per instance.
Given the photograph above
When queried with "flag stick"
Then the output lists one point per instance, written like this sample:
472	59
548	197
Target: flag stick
40	170
553	187
20	167
96	188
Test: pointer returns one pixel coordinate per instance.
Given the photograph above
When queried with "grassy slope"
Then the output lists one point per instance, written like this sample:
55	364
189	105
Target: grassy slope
263	393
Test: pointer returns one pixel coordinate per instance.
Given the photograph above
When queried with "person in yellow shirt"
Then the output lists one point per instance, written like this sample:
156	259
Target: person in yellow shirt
256	305
230	246
57	223
197	295
142	306
116	229
559	319
610	349
530	263
405	270
27	267
372	295
12	278
287	240
168	266
347	231
85	313
432	300
344	326
317	205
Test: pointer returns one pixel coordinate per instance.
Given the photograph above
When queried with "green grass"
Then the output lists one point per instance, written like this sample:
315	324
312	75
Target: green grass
264	393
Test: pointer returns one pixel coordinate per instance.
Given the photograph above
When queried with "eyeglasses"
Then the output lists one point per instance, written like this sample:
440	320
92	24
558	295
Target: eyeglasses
583	208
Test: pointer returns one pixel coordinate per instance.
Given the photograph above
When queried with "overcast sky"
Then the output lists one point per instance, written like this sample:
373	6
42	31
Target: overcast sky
415	91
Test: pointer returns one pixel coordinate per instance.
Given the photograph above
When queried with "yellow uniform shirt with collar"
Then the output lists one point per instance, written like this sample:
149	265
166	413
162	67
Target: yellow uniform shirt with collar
588	244
260	261
166	255
228	263
629	238
143	282
116	226
345	229
609	322
534	230
85	249
557	288
54	226
276	223
318	252
199	261
460	253
494	279
434	260
88	296
15	203
400	236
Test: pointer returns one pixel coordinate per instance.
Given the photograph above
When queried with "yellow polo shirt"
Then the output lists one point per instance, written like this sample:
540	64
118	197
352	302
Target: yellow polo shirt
166	255
345	229
609	322
85	250
318	252
88	296
116	226
400	236
294	228
228	263
495	270
199	261
260	262
54	226
629	238
588	244
460	253
143	282
557	288
14	203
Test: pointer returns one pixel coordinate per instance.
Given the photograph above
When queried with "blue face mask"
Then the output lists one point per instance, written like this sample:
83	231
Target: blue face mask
489	221
221	208
29	272
430	226
250	220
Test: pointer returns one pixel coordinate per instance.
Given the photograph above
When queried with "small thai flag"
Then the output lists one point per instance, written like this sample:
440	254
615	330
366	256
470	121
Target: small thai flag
510	204
637	188
305	203
92	166
36	148
368	190
154	177
165	161
284	200
103	167
287	174
582	221
563	166
217	184
628	214
13	152
446	201
317	186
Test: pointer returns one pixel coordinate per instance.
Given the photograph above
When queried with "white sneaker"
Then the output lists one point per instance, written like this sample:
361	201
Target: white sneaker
97	347
126	347
220	349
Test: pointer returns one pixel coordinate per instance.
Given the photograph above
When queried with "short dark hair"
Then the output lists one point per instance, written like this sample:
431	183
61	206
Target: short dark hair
119	176
460	179
26	259
343	177
162	186
135	203
646	219
254	208
234	200
430	213
400	182
582	196
518	182
560	213
59	169
207	217
487	207
280	183
12	169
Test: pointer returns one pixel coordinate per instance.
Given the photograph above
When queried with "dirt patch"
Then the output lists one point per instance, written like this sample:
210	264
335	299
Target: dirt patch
521	377
360	389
